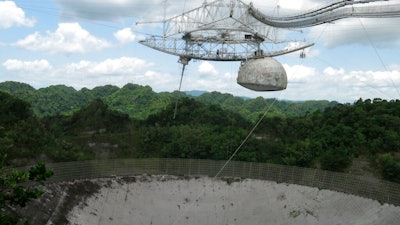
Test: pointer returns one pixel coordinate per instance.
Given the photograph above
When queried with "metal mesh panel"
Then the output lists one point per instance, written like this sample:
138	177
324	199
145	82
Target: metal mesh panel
382	191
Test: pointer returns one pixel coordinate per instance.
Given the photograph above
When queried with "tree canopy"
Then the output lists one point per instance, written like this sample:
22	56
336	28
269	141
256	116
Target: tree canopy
139	102
13	192
322	135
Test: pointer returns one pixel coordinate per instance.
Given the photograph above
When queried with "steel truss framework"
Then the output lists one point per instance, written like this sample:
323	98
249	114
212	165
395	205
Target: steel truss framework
231	30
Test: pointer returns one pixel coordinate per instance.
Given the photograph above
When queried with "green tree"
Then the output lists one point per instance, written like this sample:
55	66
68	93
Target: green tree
13	192
137	101
389	167
335	159
21	134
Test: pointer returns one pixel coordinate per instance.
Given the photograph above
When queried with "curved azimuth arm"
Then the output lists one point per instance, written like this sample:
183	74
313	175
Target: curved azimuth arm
231	30
330	12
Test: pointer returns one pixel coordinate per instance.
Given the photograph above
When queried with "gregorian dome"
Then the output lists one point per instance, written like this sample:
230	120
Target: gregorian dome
264	74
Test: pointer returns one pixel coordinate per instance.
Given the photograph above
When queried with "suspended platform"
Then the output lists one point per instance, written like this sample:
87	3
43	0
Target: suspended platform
231	30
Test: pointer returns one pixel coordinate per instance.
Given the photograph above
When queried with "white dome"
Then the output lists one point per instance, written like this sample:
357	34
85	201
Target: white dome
265	74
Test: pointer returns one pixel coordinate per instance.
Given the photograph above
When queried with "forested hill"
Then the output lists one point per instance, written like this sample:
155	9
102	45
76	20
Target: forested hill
141	101
361	138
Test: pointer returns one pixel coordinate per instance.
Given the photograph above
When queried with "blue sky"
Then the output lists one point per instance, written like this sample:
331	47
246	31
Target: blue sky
84	43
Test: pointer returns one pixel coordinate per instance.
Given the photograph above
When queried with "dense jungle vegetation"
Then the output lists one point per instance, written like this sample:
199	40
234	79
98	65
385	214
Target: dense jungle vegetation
141	101
59	123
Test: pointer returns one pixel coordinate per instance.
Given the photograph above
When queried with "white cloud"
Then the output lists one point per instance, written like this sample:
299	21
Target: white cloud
125	36
312	52
118	71
290	4
333	72
340	85
110	9
11	15
68	38
378	32
27	66
394	67
123	65
118	66
299	73
85	73
222	83
149	10
207	68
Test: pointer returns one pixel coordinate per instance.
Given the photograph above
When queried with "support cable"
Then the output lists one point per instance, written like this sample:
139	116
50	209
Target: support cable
229	160
247	137
331	64
184	7
184	62
379	57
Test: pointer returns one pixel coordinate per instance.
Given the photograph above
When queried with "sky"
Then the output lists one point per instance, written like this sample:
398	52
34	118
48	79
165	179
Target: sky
87	43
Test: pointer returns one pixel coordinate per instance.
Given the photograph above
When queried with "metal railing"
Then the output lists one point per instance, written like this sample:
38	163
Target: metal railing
382	191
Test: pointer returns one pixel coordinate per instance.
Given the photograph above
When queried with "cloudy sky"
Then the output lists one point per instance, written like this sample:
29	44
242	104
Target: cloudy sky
86	43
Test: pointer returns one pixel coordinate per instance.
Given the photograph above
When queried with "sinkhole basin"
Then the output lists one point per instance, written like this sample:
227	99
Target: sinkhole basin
178	200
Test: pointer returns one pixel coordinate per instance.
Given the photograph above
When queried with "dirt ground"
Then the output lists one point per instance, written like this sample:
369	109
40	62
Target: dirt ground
59	198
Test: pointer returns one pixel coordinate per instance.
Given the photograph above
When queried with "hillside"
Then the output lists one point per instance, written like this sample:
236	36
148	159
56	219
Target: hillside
141	101
359	138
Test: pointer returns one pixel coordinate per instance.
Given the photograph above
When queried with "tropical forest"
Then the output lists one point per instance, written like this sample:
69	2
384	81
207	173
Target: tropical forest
59	123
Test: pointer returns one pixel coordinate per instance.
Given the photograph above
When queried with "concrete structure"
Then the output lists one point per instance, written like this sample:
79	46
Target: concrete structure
170	200
265	74
117	191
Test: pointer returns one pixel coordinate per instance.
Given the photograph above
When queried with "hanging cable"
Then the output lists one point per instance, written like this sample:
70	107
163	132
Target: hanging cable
247	137
184	7
332	64
179	90
185	62
379	57
229	160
